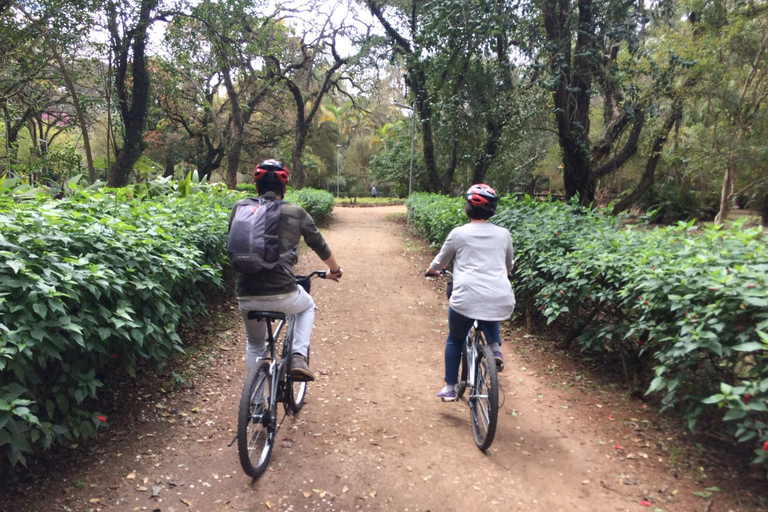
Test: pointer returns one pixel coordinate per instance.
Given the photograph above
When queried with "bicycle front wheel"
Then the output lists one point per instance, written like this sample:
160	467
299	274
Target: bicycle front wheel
256	421
484	398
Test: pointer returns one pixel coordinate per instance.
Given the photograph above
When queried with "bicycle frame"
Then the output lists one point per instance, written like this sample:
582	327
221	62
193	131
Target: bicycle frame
276	366
475	338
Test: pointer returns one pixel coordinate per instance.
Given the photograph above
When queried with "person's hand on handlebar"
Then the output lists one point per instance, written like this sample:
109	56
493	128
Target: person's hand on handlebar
334	270
430	272
330	274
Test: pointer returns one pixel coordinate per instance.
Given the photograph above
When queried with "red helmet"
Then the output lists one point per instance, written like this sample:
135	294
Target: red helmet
273	167
482	199
481	194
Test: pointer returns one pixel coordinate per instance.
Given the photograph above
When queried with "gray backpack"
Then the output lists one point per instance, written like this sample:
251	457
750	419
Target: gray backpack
253	244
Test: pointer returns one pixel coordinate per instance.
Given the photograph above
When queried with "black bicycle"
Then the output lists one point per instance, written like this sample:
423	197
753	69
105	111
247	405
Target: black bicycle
478	373
269	383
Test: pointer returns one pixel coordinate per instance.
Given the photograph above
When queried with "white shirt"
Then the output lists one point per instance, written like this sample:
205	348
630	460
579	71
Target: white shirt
483	258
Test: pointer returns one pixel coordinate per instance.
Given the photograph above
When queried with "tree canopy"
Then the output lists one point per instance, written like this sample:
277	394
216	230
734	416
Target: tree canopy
605	100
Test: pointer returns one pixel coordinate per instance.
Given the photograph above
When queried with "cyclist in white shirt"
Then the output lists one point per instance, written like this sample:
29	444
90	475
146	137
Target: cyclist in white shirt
481	289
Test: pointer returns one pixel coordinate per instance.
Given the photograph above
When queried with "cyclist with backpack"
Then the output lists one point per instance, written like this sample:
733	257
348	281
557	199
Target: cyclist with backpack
264	236
481	289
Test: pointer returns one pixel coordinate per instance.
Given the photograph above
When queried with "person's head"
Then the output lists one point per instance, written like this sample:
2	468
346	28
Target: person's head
270	176
480	202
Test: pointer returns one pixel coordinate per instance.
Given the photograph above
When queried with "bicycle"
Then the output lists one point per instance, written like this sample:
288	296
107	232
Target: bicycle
478	373
269	383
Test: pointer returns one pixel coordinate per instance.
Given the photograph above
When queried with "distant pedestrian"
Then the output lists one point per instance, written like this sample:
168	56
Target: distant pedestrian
373	191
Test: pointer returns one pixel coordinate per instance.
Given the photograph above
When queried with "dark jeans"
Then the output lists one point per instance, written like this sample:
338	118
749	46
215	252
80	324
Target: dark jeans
458	328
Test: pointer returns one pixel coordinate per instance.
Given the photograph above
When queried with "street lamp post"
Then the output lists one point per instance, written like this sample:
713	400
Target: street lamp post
338	171
413	134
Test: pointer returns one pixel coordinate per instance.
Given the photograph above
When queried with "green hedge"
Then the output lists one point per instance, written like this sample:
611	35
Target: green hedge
684	308
98	280
92	282
318	203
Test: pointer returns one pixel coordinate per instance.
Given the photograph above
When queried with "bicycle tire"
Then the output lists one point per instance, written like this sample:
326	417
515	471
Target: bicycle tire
256	428
484	398
461	387
297	391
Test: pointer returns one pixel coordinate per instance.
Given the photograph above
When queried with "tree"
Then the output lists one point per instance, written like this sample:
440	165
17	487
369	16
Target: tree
128	26
467	87
309	68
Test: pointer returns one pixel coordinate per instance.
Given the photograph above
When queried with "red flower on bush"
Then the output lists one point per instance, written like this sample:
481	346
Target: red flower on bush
557	233
740	328
113	356
765	446
746	398
639	342
562	292
646	303
101	418
750	286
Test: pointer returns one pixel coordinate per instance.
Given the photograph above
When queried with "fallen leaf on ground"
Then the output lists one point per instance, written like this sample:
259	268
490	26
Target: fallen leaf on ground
131	475
307	494
345	489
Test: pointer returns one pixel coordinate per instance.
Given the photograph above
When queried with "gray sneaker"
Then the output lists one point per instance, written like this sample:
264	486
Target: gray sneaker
300	369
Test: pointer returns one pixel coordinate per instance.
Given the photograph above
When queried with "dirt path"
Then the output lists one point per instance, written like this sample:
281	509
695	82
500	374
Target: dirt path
372	436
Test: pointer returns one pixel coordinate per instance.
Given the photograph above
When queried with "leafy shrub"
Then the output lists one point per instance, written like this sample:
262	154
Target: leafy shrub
318	203
246	187
759	202
92	282
671	204
685	310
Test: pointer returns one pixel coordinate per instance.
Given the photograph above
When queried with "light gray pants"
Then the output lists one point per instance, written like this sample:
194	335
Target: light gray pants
300	304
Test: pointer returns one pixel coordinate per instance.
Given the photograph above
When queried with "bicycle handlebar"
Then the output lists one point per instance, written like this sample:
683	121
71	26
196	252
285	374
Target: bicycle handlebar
319	273
443	272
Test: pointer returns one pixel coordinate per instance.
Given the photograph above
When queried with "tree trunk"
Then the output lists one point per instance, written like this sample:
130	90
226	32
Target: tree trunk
134	115
725	193
424	110
78	113
727	188
491	149
572	93
211	162
168	171
233	156
649	175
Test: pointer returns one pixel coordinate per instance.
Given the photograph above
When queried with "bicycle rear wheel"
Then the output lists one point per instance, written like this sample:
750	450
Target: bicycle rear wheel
256	421
297	391
484	398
